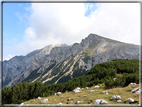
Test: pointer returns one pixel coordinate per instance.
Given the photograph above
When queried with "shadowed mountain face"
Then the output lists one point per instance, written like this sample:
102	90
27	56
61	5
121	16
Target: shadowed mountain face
58	64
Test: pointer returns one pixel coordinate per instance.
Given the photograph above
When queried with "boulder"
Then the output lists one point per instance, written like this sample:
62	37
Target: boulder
118	97
131	84
76	90
119	101
130	100
58	93
115	97
104	91
100	101
78	102
22	104
139	91
103	102
39	97
44	101
87	88
59	104
91	91
135	89
97	86
84	95
82	88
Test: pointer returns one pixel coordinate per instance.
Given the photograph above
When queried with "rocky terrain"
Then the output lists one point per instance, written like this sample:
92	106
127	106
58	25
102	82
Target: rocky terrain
91	96
58	64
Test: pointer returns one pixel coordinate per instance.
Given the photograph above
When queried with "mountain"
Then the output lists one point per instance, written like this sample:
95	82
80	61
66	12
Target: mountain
117	75
60	63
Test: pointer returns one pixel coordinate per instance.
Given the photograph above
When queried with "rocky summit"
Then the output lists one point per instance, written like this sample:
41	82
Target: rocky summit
60	63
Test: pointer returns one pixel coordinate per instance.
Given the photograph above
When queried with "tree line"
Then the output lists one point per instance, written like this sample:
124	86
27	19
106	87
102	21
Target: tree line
100	73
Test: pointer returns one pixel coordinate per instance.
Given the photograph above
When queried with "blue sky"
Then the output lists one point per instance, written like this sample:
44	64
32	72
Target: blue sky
14	24
27	27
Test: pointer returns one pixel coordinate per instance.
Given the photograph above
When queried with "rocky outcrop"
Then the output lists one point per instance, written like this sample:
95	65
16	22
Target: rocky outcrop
57	64
14	68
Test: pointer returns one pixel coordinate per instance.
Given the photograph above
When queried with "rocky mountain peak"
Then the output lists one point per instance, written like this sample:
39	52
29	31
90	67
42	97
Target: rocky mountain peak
61	45
62	62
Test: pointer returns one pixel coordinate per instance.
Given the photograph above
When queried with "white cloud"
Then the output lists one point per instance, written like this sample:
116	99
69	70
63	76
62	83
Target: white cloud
54	23
8	57
120	21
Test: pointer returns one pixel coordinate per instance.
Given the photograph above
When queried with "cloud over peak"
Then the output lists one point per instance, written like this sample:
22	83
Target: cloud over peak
56	23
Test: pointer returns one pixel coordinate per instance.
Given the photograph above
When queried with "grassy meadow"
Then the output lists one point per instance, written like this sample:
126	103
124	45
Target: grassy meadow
124	92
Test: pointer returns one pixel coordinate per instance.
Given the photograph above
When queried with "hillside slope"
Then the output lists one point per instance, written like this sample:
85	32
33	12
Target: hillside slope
89	98
123	70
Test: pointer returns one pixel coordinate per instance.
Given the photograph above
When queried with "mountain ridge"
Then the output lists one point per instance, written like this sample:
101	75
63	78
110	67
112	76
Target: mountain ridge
62	62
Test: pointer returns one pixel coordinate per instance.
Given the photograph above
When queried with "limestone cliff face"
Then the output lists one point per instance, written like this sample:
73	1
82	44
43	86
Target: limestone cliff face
15	67
60	63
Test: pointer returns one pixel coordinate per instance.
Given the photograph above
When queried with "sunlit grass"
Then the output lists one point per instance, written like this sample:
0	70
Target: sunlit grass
91	97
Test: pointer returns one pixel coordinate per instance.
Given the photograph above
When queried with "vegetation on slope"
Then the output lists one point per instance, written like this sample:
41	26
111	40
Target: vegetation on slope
90	97
125	71
32	76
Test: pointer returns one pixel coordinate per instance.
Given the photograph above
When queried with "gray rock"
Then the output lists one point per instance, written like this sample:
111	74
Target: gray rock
135	89
104	91
100	101
76	90
138	91
91	91
78	102
119	101
58	93
97	86
115	97
39	97
130	100
84	95
44	101
131	84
